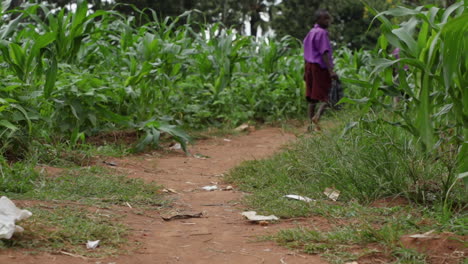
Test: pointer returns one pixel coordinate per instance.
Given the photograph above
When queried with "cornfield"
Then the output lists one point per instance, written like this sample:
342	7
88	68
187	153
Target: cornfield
74	74
424	89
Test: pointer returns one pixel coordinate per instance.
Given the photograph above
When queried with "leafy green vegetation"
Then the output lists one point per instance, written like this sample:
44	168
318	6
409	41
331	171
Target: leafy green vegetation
68	76
428	80
71	77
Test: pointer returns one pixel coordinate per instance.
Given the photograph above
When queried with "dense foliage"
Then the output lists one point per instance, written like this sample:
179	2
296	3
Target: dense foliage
423	88
75	74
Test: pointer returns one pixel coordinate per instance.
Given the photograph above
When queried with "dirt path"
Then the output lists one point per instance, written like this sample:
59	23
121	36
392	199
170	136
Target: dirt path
222	235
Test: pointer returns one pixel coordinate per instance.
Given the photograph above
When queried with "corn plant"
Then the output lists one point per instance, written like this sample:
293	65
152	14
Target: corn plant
431	79
80	73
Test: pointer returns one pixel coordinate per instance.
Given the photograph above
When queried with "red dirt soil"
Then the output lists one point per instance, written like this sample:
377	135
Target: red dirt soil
222	235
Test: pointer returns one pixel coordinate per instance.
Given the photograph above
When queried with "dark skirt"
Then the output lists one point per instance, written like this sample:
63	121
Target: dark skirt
318	82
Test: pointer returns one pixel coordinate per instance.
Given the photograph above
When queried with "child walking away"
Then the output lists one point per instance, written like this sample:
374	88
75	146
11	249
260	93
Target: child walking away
319	71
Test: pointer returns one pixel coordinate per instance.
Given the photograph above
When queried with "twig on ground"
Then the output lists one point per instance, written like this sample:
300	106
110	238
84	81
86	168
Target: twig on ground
201	234
73	255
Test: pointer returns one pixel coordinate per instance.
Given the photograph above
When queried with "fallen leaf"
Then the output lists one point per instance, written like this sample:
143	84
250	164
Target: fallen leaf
173	216
241	128
176	146
110	163
169	190
252	216
332	194
200	156
425	235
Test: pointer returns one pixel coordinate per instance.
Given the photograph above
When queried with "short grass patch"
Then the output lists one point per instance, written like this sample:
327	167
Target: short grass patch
67	229
69	210
95	186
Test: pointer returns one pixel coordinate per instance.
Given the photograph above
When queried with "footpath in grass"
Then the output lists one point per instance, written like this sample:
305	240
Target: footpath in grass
220	235
389	191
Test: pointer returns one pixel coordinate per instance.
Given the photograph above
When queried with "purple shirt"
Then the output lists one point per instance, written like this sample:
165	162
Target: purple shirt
396	54
316	43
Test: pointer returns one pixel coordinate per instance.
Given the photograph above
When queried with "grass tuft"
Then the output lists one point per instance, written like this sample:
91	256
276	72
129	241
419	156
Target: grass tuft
94	186
68	229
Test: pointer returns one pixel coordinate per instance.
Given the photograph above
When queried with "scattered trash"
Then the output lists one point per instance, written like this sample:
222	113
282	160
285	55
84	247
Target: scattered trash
181	216
263	223
227	140
354	262
228	188
300	198
252	216
332	194
9	215
176	146
242	128
128	205
169	190
425	235
200	156
92	244
110	163
210	188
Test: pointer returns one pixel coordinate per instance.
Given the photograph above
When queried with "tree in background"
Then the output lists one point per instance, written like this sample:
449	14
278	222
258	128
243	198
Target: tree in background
351	20
289	17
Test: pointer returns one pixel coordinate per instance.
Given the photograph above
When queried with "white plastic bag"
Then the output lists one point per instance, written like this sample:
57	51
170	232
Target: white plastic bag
9	215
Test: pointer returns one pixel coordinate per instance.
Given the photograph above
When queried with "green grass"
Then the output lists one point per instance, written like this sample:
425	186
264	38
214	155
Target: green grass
63	155
66	228
368	163
370	231
77	205
94	186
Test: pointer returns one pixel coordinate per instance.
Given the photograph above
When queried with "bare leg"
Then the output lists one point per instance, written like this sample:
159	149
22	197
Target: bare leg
311	114
316	118
312	110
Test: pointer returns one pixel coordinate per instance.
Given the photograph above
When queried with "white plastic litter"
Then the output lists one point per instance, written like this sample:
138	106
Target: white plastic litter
425	235
241	128
210	188
332	194
92	244
9	215
176	146
252	216
300	198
